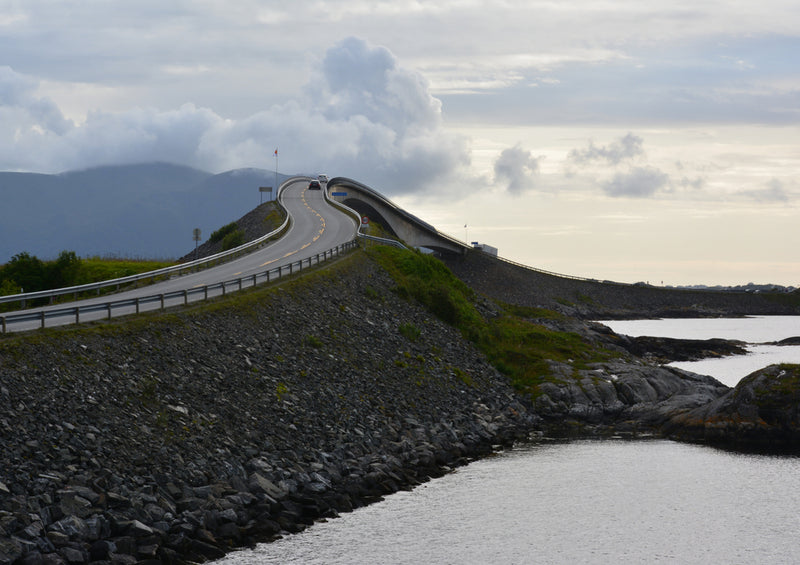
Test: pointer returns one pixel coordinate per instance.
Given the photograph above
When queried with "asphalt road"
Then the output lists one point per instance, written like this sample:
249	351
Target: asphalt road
315	228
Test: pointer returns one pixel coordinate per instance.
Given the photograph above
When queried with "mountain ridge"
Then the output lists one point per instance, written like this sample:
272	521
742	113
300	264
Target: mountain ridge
140	210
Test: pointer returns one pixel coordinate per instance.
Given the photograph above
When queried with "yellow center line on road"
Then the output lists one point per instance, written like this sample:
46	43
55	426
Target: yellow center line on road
321	230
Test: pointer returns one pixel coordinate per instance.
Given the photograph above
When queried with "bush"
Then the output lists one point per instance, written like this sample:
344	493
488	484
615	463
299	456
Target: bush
26	271
64	271
233	239
225	230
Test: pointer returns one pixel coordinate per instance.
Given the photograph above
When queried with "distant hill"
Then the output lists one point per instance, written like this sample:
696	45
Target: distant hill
147	210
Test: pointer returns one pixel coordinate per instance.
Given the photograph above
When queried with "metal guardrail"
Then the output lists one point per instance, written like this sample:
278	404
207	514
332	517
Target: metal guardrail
425	225
175	298
357	216
411	218
560	275
176	269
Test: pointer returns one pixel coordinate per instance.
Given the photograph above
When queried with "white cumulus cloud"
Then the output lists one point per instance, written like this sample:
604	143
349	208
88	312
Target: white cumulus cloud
364	116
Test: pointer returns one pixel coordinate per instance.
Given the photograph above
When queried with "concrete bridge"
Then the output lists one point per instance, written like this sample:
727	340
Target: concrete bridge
399	223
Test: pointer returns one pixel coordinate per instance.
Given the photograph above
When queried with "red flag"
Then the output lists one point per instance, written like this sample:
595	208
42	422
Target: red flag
276	152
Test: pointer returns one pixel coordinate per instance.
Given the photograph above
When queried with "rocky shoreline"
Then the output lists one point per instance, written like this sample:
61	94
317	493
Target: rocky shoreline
178	436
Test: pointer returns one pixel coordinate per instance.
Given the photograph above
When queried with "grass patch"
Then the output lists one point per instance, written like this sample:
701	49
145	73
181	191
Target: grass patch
517	346
409	331
531	312
314	341
522	350
427	280
95	269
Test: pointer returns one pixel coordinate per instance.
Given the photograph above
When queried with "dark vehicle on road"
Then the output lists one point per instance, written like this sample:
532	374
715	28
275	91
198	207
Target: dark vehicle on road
313	185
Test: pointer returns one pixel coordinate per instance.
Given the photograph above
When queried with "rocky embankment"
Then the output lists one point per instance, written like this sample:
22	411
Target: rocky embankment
258	222
601	300
178	436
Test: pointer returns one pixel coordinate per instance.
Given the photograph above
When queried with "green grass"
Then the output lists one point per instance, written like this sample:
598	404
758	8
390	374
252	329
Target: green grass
521	350
409	331
513	342
95	269
427	280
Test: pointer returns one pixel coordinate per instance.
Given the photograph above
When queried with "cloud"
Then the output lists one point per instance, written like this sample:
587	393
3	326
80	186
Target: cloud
627	147
362	80
518	167
775	191
366	117
18	98
639	182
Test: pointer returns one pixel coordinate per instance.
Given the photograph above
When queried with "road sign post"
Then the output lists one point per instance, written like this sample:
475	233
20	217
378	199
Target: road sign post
196	237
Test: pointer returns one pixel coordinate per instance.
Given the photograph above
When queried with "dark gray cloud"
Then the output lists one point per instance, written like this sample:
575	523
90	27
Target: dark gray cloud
639	182
517	167
627	147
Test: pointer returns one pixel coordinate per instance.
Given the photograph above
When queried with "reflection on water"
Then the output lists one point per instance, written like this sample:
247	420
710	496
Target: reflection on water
580	502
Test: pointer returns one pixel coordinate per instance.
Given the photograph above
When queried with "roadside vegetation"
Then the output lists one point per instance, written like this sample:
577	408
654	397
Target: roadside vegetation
230	235
27	273
512	338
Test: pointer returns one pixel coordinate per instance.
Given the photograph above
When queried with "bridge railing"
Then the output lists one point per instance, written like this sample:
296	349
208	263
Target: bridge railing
166	271
357	217
165	300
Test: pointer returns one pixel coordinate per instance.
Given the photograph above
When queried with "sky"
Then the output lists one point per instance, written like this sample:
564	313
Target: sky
618	140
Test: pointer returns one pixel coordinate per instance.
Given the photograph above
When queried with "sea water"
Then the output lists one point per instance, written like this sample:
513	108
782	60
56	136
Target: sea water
581	502
755	331
612	501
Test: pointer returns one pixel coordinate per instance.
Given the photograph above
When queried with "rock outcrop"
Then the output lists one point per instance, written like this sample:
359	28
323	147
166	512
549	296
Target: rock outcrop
761	413
618	397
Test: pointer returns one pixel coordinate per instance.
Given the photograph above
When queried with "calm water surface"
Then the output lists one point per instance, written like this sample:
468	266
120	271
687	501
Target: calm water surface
755	331
585	501
580	502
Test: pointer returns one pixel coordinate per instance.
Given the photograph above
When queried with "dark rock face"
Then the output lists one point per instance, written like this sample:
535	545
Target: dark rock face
623	397
762	412
177	437
665	349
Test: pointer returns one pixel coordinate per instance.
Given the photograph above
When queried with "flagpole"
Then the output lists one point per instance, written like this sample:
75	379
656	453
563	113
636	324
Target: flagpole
276	173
